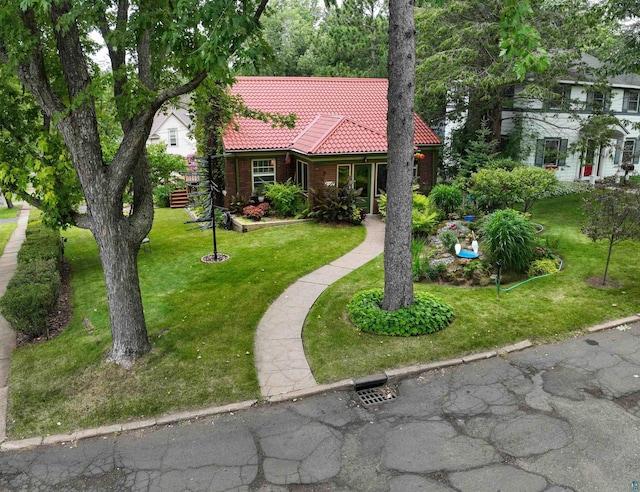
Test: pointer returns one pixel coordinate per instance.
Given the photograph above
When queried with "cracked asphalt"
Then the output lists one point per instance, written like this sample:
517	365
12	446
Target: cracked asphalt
562	417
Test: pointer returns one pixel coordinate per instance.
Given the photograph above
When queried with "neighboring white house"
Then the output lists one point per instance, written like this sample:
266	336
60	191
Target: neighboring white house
173	127
551	130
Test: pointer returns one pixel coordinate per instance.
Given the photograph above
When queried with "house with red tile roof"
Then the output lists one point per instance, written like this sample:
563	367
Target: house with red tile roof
340	134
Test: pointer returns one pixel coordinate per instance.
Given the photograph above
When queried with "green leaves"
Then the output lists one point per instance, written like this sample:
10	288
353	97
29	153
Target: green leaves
428	314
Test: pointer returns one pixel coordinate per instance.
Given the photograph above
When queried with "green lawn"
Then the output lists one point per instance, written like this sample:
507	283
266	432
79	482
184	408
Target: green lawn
6	230
9	213
201	320
545	309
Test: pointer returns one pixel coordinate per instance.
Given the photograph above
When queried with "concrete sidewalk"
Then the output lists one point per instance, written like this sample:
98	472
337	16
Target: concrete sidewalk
279	356
8	264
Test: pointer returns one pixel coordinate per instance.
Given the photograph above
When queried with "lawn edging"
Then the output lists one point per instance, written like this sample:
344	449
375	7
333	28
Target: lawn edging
106	430
345	384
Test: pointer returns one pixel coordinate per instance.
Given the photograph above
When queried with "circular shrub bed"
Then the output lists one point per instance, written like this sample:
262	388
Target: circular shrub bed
427	315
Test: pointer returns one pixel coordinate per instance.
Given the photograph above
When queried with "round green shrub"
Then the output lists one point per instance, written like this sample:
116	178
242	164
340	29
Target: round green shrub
509	238
427	315
447	198
545	266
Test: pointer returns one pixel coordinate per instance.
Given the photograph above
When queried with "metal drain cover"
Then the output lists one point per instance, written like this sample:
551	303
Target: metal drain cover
376	396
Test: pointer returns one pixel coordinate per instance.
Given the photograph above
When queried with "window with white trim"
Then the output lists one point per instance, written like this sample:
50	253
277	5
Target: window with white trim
560	97
628	151
173	137
631	102
302	175
551	152
263	172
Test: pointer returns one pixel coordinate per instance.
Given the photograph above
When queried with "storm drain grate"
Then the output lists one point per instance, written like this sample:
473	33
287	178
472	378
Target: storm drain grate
377	395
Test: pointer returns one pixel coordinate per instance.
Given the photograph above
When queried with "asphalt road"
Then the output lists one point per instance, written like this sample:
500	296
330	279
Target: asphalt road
554	418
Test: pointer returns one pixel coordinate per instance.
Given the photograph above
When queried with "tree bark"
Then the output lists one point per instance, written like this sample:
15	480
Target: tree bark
606	267
118	254
398	280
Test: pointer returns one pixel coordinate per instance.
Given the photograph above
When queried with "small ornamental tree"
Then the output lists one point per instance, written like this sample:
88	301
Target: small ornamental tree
612	213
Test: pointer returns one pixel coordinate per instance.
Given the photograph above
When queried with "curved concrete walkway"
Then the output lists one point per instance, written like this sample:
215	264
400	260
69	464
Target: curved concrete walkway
279	356
8	264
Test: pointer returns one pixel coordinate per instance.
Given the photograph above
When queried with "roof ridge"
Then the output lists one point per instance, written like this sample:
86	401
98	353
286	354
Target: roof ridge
339	124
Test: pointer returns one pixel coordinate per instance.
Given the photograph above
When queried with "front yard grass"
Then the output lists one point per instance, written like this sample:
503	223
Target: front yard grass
6	230
201	320
9	213
542	310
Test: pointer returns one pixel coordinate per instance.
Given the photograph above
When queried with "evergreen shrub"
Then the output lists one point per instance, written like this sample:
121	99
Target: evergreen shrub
427	315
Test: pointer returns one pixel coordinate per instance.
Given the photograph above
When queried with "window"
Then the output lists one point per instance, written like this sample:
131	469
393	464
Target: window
551	152
263	172
631	101
381	178
173	137
628	151
598	101
302	175
560	97
344	174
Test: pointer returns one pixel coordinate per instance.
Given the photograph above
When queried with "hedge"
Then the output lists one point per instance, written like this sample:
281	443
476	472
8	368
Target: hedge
33	292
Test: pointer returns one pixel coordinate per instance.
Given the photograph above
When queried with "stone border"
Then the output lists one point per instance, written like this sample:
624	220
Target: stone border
239	226
345	384
612	324
107	430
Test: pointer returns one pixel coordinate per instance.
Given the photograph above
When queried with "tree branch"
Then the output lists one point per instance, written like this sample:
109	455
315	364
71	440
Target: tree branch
34	75
74	64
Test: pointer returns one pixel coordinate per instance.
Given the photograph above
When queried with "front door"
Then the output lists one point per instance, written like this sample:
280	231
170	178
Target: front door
362	178
360	175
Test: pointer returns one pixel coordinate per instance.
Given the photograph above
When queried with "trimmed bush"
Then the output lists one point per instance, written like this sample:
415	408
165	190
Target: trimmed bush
447	198
40	243
427	315
509	238
32	294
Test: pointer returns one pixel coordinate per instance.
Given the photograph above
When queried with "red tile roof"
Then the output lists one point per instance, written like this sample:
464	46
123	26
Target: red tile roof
334	116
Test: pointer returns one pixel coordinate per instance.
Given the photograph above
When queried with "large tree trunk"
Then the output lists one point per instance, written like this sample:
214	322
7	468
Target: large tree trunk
398	279
119	262
119	238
